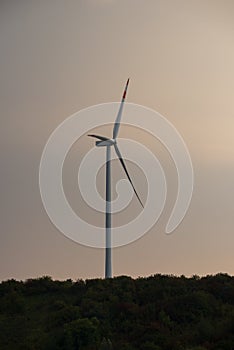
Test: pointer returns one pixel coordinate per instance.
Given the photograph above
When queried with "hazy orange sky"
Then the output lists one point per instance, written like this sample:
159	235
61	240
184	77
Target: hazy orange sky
58	57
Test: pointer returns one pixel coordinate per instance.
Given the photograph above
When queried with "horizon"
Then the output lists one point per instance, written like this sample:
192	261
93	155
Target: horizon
120	276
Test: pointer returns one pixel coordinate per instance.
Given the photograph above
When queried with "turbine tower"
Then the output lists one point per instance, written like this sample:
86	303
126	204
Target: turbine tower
107	142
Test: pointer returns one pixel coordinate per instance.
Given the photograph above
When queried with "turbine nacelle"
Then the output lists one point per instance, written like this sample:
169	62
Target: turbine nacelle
109	142
104	141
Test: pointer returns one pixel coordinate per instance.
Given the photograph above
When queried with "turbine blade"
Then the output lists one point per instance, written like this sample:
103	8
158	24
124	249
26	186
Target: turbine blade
126	171
102	138
118	118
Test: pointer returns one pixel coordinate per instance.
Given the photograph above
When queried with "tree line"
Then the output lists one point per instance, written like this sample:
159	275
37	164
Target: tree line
160	312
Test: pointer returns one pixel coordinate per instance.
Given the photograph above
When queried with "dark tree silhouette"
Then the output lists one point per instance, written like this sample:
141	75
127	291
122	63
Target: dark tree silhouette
155	313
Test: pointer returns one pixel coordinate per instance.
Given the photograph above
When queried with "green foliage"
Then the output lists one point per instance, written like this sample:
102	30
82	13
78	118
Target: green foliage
155	313
81	334
106	345
150	346
197	348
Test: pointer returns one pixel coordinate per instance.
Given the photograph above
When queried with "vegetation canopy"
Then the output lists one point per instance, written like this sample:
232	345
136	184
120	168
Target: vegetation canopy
156	313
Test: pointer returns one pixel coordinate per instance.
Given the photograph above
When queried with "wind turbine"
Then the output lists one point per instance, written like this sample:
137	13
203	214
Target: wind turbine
108	143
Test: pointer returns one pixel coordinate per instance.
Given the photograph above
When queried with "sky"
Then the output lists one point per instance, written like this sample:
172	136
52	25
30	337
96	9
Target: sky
58	57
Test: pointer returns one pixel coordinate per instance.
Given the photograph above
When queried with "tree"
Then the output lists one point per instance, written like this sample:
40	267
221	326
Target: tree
106	344
82	334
